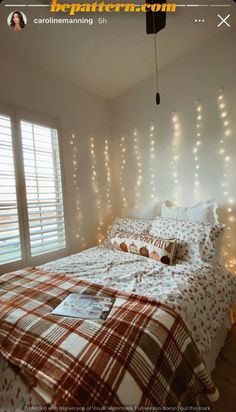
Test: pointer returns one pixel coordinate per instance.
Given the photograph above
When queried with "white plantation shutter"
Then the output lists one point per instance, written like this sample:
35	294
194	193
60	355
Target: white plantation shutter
10	246
43	188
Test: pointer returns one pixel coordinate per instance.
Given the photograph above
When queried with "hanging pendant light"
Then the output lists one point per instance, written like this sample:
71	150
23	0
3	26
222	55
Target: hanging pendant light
155	21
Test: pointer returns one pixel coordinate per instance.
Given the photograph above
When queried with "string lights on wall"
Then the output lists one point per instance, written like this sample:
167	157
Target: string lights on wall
231	264
96	190
108	178
151	161
139	168
175	156
122	174
80	217
224	146
197	146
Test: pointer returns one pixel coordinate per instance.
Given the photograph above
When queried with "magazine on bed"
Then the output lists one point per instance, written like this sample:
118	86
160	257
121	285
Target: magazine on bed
85	307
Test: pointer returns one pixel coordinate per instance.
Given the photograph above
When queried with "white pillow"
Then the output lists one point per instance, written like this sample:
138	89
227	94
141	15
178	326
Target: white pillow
204	212
146	212
196	240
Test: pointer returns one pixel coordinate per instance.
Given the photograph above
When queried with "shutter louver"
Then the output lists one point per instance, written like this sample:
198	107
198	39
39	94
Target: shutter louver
10	247
43	188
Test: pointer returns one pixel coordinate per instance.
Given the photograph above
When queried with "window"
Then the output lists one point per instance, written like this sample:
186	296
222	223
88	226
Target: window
43	188
10	246
31	196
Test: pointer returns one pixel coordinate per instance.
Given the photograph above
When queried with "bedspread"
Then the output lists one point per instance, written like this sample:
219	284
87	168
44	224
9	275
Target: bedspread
143	354
201	294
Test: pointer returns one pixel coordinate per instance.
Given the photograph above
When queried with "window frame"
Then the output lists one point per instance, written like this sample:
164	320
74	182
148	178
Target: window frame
17	115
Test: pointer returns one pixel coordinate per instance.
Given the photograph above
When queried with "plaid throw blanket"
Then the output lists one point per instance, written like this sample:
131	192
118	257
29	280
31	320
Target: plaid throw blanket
141	355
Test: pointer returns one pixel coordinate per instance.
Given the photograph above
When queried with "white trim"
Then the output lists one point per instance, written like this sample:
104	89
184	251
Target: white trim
37	118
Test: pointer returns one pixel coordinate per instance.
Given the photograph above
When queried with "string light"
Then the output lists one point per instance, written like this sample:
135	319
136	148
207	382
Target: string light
108	178
122	174
139	168
231	264
80	217
175	156
196	148
151	161
223	151
96	190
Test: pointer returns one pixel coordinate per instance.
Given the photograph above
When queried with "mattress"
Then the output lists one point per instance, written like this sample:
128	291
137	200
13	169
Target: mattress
217	344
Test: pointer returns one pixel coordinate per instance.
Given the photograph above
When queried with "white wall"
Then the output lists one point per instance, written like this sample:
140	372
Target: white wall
78	112
197	75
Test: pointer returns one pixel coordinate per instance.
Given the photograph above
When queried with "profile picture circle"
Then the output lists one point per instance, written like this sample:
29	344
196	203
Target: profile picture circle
17	20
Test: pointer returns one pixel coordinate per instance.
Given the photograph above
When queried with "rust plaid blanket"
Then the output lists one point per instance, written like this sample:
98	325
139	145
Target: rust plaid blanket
141	355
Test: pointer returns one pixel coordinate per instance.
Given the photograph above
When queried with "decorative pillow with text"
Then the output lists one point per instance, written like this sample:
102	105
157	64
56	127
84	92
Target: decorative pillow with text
161	250
134	225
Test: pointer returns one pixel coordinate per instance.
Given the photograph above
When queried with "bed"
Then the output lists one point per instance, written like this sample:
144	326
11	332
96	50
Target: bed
199	294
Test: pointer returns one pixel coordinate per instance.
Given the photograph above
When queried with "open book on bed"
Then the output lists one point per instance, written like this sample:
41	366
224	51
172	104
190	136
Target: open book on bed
85	307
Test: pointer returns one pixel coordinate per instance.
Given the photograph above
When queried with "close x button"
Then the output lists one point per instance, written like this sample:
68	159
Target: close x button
223	20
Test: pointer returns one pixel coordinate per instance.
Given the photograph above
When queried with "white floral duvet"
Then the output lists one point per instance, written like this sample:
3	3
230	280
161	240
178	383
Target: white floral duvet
201	294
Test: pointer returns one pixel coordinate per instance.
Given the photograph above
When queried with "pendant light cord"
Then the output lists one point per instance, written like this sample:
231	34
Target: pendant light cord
155	48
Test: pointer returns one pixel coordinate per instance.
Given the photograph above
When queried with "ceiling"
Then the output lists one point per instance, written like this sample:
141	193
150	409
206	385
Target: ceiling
107	59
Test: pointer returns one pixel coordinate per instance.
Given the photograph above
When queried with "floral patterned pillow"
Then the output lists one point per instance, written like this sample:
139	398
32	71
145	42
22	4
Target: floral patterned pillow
162	250
129	225
196	240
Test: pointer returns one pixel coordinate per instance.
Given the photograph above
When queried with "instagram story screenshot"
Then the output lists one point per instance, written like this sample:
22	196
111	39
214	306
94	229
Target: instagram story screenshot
117	205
